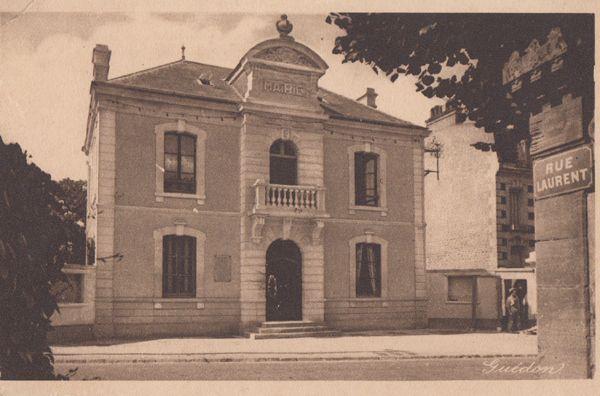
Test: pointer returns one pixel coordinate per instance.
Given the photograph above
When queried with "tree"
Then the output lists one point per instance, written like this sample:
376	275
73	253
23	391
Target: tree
73	198
431	46
33	249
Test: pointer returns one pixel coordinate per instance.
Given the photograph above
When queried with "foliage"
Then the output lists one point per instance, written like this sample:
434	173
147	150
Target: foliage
73	198
33	248
438	48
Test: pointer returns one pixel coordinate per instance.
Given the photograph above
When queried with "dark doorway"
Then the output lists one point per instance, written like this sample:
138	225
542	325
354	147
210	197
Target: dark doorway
284	281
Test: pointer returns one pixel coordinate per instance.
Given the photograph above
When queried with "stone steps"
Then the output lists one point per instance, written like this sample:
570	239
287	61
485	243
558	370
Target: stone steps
291	329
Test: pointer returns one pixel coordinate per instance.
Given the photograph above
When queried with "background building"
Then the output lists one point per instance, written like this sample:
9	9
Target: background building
223	198
479	216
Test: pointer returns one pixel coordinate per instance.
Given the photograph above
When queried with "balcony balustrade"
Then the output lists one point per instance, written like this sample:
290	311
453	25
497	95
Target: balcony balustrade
289	200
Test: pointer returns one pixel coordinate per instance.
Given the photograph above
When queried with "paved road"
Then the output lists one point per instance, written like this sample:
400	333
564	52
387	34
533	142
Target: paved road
410	369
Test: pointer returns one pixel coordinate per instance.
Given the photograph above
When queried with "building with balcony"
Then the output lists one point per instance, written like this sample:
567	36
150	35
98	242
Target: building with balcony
480	224
223	198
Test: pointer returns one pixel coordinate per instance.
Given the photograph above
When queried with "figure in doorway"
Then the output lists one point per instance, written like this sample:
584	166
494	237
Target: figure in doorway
272	290
513	310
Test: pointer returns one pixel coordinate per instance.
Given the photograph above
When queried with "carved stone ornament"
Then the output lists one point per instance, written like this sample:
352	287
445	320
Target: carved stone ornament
287	228
535	55
285	55
317	232
258	223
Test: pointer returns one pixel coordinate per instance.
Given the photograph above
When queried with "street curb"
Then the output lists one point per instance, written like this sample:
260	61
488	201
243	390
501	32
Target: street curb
199	358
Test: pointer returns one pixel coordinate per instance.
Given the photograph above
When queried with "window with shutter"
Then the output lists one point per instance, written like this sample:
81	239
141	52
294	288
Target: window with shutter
179	266
366	179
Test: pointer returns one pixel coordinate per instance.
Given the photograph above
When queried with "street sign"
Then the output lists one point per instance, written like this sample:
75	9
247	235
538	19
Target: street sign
564	172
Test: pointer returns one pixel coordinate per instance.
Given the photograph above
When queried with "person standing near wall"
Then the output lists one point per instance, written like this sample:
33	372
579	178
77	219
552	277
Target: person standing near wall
513	310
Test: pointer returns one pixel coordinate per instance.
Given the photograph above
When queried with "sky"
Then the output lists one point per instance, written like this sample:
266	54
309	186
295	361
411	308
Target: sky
46	70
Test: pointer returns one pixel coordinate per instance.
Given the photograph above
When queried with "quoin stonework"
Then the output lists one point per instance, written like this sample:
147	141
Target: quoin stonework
223	198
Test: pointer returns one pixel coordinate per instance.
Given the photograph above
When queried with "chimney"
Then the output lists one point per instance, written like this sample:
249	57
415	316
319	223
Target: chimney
436	111
101	61
369	98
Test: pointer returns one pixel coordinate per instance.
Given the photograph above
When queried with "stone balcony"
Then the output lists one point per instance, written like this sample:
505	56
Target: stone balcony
287	202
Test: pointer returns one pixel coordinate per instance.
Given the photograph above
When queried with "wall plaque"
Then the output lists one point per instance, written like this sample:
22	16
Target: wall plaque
562	173
222	269
556	126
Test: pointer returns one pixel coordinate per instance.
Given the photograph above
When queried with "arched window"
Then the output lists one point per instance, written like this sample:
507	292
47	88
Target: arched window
283	163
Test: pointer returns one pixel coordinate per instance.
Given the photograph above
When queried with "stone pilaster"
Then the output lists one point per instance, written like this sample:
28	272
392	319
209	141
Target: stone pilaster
105	217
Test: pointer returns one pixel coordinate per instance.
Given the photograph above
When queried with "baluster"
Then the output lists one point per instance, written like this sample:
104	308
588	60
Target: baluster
311	199
279	196
296	191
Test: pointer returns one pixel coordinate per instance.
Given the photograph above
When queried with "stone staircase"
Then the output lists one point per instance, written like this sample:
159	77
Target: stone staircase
291	329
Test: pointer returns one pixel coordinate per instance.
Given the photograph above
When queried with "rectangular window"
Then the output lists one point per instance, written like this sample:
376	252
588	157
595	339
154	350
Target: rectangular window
180	163
69	291
368	270
366	179
179	266
460	288
531	216
514	206
518	254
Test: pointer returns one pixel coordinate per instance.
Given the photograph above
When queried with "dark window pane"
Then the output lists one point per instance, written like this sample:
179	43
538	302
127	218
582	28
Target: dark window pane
283	163
187	164
171	143
188	145
179	266
368	270
365	179
180	163
171	162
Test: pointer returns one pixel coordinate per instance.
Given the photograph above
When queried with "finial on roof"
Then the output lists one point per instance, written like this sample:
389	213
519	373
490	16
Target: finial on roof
183	52
284	27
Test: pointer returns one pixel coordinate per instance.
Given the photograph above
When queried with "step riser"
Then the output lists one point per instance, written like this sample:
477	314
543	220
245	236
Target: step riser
276	330
293	335
288	324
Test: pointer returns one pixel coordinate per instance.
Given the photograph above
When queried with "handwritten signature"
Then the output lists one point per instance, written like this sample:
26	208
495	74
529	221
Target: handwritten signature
496	366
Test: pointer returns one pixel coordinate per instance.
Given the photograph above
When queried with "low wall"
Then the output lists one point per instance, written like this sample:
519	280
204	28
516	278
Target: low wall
76	298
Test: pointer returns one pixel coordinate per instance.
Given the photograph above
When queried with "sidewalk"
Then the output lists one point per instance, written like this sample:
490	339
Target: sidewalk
346	347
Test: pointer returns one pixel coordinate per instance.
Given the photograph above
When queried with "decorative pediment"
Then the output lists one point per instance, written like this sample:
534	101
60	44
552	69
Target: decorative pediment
286	55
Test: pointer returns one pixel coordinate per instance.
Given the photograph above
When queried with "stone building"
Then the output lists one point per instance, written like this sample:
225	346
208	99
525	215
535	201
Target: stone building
223	198
479	216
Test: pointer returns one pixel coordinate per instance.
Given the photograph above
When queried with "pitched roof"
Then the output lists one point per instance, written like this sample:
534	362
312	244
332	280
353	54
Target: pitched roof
185	77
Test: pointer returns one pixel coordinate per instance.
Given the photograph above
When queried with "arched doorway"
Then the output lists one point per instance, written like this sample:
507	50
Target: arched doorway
284	281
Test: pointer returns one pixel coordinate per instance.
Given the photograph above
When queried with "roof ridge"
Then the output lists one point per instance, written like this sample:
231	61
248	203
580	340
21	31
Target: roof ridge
371	108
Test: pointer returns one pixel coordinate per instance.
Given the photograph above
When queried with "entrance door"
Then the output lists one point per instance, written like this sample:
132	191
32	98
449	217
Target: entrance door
284	281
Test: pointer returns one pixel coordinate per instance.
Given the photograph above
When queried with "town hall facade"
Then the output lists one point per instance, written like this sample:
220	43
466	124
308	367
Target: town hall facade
220	199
